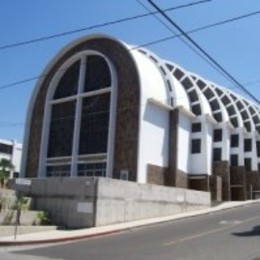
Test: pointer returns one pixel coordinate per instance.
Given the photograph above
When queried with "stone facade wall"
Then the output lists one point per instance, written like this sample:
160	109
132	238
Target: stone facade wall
175	177
173	148
238	183
181	179
162	176
127	114
156	174
237	175
221	169
216	188
199	182
252	183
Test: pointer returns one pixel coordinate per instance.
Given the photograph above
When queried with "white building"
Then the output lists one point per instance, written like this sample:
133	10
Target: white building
108	109
12	151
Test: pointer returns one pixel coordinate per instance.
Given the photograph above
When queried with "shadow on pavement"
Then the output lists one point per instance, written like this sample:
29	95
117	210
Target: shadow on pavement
255	231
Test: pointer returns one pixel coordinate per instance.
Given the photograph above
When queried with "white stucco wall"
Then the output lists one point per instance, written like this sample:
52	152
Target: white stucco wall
240	149
154	119
153	139
181	97
226	144
201	163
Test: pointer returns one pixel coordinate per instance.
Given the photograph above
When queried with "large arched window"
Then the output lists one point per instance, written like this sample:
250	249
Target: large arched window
78	127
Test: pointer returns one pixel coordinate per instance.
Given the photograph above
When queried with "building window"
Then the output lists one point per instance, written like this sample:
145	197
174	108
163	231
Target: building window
234	121
58	170
258	148
68	84
79	113
5	148
195	146
217	154
234	140
234	160
61	129
214	104
196	127
187	83
178	73
218	116
248	145
217	135
94	124
208	93
92	169
193	96
196	109
248	164
95	80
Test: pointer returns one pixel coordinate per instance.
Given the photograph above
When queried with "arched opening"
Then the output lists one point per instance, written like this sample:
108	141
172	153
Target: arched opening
78	130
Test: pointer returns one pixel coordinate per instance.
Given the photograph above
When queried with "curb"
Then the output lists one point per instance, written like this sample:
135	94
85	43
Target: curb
103	233
58	240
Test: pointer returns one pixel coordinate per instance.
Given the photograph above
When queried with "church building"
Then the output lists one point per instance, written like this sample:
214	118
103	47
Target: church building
108	109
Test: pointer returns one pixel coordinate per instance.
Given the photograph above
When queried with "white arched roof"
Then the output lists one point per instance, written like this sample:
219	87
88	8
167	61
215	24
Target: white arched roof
153	77
201	96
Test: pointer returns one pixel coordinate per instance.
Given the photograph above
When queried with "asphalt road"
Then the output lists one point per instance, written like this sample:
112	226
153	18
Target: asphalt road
229	234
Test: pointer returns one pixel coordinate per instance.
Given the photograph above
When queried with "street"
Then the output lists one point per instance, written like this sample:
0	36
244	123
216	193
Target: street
229	234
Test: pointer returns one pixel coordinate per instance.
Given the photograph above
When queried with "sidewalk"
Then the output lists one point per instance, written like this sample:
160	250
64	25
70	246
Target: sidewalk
54	236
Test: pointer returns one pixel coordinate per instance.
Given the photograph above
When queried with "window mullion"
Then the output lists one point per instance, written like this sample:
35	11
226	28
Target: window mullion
78	118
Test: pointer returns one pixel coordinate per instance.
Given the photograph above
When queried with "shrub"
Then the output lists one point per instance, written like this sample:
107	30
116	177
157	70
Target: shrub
44	218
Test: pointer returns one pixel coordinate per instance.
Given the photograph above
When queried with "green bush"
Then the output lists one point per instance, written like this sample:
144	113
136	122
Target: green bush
43	218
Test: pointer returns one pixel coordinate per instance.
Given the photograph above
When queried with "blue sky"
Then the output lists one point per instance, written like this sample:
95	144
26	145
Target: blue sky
236	46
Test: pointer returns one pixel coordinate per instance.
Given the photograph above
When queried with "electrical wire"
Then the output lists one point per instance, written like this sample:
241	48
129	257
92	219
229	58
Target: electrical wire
195	30
203	51
53	36
185	42
13	84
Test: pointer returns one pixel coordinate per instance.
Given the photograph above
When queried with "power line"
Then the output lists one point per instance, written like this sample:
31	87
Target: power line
202	28
204	52
184	41
44	38
21	82
233	19
11	124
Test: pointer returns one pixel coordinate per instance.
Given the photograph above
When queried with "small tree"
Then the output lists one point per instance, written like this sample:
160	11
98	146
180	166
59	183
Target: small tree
20	204
5	167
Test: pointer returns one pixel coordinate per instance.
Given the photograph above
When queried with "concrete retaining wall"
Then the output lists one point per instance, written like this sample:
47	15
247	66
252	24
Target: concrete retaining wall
8	214
28	218
120	201
69	201
85	202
